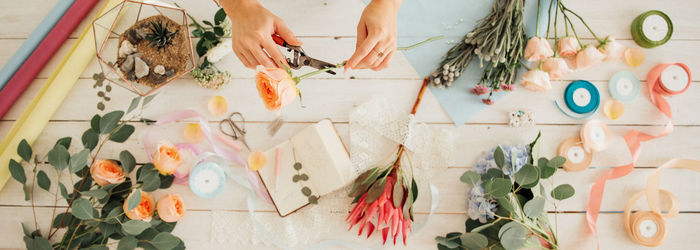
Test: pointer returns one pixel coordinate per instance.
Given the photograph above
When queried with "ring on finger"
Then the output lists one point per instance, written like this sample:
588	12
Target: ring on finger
379	54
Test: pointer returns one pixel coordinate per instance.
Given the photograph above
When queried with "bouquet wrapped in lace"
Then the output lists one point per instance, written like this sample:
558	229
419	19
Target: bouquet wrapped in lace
506	201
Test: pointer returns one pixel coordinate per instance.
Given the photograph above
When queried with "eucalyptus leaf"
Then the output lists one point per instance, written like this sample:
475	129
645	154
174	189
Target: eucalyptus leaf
24	150
17	171
37	243
128	161
122	134
528	174
64	191
563	192
306	191
148	99
542	162
95	123
556	162
491	173
504	202
375	191
43	180
470	177
414	189
165	241
79	160
446	242
97	193
151	180
474	241
90	139
65	141
497	187
134	104
113	215
547	172
499	157
397	194
26	190
512	235
110	121
66	217
82	209
134	201
127	243
534	208
59	157
135	227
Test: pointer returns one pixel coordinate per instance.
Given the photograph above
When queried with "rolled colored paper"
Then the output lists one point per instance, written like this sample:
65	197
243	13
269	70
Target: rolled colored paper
50	96
25	75
36	37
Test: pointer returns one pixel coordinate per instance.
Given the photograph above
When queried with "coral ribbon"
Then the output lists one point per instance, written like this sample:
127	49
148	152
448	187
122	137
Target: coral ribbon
633	139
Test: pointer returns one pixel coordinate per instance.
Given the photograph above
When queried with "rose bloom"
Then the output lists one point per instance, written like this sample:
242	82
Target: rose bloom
612	50
568	46
144	211
106	172
556	67
536	80
167	158
275	86
537	49
171	208
588	57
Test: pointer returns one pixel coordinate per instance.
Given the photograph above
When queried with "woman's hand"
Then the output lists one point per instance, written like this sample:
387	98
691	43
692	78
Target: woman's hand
252	27
376	36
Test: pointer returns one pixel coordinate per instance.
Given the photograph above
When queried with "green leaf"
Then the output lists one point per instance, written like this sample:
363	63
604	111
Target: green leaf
470	177
27	231
209	35
207	23
542	162
114	214
122	134
128	161
165	241
148	99
43	180
110	121
375	191
527	175
97	193
220	16
197	33
218	31
127	243
66	221
563	192
306	191
491	173
64	191
534	148
446	242
65	141
82	209
397	194
90	139
134	201
79	160
201	50
556	162
150	179
135	227
504	202
95	123
497	187
499	157
24	150
534	208
17	171
37	243
414	189
134	104
512	235
547	172
59	157
166	181
474	241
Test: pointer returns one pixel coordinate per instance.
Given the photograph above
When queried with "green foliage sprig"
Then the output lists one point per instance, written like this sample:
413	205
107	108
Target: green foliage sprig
209	34
94	213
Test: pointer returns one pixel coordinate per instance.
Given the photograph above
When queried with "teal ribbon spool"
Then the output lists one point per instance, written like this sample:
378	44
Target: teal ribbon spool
581	97
648	29
207	179
624	86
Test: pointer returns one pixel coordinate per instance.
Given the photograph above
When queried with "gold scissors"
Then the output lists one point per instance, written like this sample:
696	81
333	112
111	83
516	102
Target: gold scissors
237	132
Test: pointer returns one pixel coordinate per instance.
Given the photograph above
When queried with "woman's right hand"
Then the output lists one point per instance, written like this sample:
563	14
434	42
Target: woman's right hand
252	27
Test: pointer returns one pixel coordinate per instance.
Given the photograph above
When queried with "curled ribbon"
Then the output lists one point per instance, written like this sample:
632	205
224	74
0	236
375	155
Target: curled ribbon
659	84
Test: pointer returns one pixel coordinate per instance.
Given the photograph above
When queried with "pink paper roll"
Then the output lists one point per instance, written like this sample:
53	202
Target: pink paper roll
43	53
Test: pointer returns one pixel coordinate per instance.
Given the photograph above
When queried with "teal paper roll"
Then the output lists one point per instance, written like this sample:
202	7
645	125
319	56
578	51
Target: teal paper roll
33	40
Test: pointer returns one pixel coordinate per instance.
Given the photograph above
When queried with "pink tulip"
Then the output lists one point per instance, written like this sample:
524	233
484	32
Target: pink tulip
536	80
588	57
556	67
537	49
612	50
568	46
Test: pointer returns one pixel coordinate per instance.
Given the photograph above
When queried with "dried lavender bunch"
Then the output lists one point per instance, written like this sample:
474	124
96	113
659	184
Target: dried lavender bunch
498	41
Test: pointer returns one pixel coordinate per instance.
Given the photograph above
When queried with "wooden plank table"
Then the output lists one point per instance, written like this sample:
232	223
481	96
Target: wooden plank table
329	33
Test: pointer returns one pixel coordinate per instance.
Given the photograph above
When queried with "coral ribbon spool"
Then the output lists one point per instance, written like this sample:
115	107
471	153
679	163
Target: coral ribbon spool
651	29
595	136
662	80
577	159
581	97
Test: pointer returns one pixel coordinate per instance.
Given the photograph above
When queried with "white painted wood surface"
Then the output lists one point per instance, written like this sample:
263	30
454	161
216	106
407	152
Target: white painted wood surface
329	33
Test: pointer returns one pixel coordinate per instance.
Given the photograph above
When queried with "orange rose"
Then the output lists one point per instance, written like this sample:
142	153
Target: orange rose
145	209
171	208
275	86
568	46
536	80
537	49
556	67
167	159
106	172
588	57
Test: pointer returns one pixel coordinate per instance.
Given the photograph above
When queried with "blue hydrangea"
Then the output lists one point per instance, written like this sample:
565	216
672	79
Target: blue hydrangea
516	157
478	206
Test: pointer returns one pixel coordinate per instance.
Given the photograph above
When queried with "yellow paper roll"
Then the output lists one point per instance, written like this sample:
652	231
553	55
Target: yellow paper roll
37	114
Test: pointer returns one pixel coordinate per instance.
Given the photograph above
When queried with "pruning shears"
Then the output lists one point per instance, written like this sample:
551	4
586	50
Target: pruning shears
300	58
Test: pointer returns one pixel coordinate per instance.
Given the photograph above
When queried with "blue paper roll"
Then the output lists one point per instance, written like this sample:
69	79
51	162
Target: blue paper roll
33	40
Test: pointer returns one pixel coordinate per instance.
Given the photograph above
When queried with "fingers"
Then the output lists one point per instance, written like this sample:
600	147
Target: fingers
385	63
241	56
262	57
361	33
286	34
362	51
277	56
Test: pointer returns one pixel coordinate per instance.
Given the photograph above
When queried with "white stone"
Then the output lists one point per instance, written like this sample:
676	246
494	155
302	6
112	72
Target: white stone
126	48
159	70
141	68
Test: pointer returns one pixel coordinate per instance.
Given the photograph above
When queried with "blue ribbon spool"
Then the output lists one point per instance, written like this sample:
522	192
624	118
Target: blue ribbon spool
207	179
581	97
624	86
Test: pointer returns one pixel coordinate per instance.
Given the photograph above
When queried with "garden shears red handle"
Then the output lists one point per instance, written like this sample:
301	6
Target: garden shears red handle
300	58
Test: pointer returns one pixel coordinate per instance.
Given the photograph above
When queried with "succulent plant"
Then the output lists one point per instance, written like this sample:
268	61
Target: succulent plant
160	36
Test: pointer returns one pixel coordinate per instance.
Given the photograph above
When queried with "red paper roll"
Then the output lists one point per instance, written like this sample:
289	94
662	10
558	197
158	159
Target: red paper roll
43	53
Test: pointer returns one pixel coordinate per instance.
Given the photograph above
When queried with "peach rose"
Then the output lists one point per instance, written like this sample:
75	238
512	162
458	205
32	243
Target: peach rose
106	172
536	80
145	209
556	67
588	57
171	208
612	50
568	46
276	87
537	49
167	159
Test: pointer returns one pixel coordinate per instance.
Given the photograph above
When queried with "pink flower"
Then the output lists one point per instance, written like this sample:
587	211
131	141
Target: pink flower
612	50
537	49
480	90
556	67
588	57
106	172
508	87
170	208
275	86
536	80
487	101
568	46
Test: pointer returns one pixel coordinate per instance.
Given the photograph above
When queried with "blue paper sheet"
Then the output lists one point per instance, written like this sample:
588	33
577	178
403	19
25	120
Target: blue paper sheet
421	19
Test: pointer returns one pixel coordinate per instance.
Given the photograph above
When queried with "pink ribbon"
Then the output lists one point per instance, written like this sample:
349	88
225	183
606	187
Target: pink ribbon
657	91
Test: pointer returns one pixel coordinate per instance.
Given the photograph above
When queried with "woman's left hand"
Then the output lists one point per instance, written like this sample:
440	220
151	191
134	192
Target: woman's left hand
376	36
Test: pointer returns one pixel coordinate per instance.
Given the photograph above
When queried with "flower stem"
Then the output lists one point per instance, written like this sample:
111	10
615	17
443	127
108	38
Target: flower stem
435	38
537	27
549	18
313	73
582	21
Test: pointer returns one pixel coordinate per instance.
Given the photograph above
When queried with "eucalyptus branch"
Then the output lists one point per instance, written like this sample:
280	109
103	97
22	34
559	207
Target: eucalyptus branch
36	222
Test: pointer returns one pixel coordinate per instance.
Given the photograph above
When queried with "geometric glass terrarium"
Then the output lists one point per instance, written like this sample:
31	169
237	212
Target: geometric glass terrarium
142	46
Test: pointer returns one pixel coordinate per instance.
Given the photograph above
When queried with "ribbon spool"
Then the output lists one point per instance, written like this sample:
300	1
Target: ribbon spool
595	136
624	86
577	159
648	228
674	79
651	29
581	97
207	179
